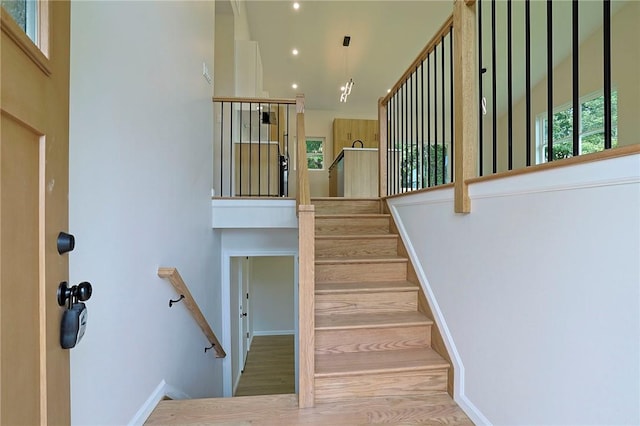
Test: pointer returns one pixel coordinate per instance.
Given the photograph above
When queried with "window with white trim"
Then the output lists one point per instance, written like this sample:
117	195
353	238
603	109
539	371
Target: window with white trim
591	128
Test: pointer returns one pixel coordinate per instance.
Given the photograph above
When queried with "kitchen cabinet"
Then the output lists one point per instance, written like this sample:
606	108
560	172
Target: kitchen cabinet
347	130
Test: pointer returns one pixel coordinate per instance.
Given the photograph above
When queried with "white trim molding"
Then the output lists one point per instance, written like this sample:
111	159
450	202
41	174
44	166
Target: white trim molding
163	389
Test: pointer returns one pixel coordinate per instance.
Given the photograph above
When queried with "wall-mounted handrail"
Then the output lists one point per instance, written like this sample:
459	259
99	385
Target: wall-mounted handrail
181	288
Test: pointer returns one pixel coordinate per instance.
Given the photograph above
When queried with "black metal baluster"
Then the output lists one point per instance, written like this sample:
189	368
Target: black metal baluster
259	149
527	48
451	104
444	114
416	118
494	95
230	150
606	30
422	168
429	120
410	120
480	92
240	150
549	80
250	150
509	90
406	136
435	112
287	149
222	149
576	76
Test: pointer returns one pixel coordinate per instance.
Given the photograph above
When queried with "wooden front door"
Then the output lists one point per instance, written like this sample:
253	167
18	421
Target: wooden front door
34	106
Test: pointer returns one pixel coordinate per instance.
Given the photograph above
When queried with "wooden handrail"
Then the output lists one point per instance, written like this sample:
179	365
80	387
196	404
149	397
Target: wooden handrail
254	100
444	30
182	289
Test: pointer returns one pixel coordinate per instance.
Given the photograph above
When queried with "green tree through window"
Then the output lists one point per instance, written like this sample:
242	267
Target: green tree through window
315	155
591	129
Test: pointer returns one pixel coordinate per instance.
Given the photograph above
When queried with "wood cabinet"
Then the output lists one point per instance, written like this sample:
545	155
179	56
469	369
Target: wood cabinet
347	130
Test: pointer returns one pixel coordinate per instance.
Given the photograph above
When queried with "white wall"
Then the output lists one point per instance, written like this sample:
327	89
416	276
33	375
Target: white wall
271	294
539	290
235	281
140	172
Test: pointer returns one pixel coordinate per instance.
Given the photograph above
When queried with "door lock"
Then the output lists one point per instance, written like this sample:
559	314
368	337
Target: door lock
74	319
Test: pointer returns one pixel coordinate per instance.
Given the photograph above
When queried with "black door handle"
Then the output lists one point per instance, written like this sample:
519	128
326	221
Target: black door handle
244	315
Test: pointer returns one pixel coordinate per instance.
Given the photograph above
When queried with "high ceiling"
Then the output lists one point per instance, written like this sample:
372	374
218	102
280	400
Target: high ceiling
386	36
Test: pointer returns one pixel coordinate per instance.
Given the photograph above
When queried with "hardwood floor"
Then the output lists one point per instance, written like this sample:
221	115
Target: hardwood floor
270	367
433	409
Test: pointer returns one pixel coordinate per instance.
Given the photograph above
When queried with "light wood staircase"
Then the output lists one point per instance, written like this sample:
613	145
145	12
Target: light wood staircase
370	337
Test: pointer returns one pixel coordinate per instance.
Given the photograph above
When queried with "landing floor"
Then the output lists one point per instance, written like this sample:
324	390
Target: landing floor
283	410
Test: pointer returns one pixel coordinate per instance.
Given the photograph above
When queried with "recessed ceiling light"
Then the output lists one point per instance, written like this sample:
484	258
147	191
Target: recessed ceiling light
295	52
296	5
342	88
294	86
388	90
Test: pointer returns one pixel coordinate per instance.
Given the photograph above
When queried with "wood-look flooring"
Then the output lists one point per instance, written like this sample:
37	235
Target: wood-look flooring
433	409
270	367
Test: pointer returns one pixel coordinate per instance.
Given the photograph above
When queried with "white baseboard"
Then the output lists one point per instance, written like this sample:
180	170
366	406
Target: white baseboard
163	389
273	333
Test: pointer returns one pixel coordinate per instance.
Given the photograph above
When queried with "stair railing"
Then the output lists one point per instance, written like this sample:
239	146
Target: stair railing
181	288
306	269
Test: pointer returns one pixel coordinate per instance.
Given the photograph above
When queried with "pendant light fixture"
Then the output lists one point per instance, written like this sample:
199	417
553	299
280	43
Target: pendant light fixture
346	89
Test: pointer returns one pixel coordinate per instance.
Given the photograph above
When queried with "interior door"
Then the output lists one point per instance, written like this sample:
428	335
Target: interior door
244	297
34	106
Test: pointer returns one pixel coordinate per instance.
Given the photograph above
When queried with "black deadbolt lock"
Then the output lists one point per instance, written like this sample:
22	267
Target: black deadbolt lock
74	319
66	242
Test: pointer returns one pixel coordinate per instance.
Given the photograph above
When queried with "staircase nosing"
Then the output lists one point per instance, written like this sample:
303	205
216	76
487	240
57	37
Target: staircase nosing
380	370
350	215
416	323
359	260
357	236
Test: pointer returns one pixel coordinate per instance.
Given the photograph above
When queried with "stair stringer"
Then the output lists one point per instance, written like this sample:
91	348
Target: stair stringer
437	342
427	300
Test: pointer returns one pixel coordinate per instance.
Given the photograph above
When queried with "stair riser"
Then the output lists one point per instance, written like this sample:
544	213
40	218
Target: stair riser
352	226
361	247
346	206
355	272
329	389
366	303
372	339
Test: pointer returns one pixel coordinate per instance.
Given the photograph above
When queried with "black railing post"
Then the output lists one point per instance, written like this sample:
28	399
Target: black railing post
606	30
527	49
509	90
494	100
576	74
549	80
480	91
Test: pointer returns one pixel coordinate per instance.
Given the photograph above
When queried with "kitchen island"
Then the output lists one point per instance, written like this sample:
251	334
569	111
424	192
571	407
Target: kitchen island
354	173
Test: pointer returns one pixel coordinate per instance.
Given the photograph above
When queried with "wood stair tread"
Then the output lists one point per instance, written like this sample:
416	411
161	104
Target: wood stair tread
378	320
364	287
356	236
362	259
358	363
352	215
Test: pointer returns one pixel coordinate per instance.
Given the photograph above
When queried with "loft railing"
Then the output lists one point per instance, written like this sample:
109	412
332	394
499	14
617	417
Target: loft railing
539	93
306	270
185	297
545	91
417	116
252	146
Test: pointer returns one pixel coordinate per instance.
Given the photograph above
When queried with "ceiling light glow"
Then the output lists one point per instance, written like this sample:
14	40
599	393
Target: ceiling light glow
294	86
296	5
295	52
